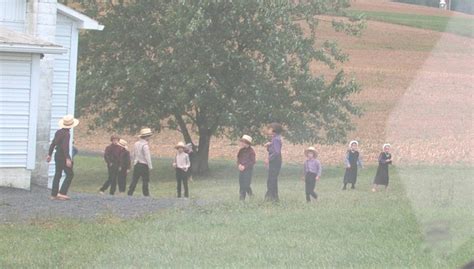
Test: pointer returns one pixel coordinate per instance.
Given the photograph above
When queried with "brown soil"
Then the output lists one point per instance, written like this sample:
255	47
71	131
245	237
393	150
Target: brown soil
417	95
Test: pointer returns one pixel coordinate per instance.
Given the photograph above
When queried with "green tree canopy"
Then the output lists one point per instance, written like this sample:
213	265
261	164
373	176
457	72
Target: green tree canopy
217	68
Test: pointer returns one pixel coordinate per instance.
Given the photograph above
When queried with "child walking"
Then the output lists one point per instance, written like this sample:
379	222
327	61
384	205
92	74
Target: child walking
142	162
62	158
245	163
124	165
111	158
312	173
182	164
274	161
381	177
352	161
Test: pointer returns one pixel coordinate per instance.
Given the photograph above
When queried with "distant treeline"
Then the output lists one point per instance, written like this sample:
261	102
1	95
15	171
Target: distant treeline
466	6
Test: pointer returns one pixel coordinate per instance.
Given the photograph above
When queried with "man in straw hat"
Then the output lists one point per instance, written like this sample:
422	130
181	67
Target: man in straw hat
182	164
142	162
245	163
62	157
124	165
111	158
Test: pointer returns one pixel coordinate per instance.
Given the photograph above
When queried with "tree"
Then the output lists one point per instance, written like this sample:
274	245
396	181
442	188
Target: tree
217	68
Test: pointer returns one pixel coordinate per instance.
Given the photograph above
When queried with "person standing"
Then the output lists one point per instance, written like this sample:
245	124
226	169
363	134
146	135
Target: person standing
382	177
274	161
124	166
189	149
245	162
111	158
182	164
352	162
62	157
312	173
142	162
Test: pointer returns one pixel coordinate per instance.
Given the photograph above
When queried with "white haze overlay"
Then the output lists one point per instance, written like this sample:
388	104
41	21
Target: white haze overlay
442	91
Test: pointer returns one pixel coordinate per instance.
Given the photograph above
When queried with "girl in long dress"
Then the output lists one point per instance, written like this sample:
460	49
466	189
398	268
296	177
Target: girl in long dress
385	159
352	161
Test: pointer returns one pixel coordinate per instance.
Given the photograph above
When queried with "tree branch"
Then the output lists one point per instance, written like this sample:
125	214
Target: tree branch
183	128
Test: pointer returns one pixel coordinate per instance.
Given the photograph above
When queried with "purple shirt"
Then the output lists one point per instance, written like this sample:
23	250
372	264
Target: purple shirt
274	149
312	166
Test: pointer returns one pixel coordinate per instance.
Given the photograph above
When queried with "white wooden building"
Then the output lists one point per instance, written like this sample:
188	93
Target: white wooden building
38	60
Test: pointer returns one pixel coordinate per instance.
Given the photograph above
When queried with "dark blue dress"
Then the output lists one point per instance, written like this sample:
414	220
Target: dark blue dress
381	177
351	173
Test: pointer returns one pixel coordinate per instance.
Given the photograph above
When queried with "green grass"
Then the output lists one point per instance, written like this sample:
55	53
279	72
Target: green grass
351	229
457	25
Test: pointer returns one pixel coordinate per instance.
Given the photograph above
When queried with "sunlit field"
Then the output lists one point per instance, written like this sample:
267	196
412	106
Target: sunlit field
344	229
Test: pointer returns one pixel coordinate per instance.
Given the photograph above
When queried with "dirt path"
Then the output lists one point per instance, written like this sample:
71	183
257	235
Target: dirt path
23	206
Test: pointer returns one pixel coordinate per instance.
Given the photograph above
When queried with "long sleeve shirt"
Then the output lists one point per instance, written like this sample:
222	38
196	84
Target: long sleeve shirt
353	158
383	157
246	157
61	143
274	149
112	154
313	166
182	161
141	153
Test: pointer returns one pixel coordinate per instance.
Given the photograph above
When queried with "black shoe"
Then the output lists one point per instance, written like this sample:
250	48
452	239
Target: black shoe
344	188
353	187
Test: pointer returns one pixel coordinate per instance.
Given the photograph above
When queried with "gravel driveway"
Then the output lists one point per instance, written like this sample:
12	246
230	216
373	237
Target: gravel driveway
22	206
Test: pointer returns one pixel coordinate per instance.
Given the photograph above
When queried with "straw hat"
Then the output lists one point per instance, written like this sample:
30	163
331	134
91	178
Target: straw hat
246	139
353	142
180	145
68	122
311	149
122	143
145	132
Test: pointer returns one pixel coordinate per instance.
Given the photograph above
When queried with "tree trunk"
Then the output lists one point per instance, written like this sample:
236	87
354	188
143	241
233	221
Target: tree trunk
201	158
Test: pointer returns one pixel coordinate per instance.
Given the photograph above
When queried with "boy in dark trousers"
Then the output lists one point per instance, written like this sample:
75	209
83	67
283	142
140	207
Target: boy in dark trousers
274	161
312	173
245	162
112	159
62	157
190	151
182	164
142	162
124	166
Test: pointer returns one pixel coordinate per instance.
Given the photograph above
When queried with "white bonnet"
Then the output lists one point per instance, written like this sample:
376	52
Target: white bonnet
353	142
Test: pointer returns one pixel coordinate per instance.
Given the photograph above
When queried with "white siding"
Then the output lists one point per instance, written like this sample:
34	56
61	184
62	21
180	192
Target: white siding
64	79
13	14
17	100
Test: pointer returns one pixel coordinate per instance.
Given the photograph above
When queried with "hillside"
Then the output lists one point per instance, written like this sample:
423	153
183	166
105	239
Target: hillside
417	94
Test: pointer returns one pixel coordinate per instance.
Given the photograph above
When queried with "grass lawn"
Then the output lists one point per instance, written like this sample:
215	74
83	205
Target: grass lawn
344	229
460	26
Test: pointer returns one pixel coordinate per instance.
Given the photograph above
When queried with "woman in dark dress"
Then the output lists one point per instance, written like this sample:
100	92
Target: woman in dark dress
385	159
352	162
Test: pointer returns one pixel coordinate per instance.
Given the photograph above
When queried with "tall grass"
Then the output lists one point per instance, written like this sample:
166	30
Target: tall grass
344	229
